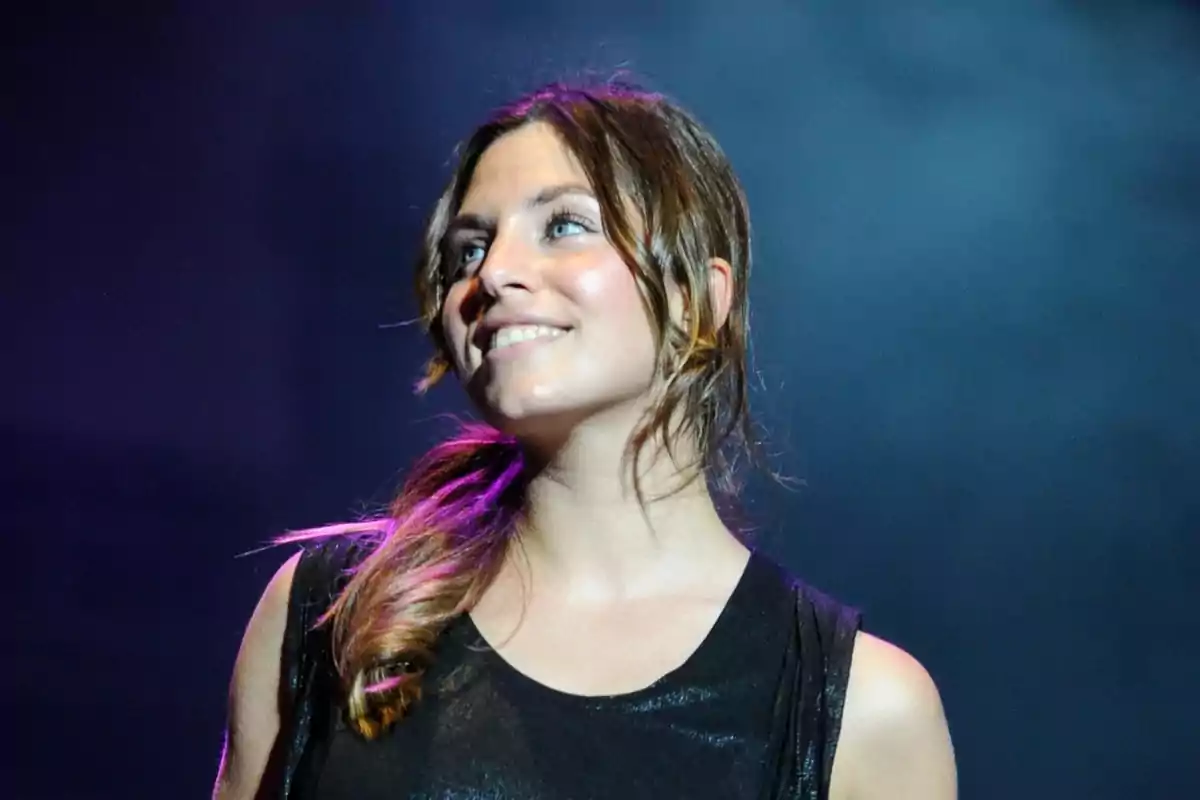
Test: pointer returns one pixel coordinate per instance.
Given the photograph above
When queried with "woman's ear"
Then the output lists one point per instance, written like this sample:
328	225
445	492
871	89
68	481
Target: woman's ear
720	290
720	296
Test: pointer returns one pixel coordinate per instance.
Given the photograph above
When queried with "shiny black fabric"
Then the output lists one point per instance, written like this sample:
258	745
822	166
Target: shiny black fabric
810	700
755	713
307	679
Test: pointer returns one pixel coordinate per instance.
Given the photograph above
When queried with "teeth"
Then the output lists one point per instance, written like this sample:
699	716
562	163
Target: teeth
515	334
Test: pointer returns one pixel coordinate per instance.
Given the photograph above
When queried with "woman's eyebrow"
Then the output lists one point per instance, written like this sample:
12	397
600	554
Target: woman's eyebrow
545	196
552	193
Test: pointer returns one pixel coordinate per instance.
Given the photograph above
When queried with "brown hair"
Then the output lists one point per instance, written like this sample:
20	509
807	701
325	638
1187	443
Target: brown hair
448	530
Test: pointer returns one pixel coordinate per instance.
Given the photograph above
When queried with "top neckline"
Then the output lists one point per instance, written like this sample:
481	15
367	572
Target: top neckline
726	618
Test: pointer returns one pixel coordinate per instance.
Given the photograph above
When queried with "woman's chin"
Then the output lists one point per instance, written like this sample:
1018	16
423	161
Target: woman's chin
530	422
545	418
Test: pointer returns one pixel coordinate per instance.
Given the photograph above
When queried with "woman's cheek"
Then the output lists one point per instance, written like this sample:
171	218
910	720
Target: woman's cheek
456	336
604	285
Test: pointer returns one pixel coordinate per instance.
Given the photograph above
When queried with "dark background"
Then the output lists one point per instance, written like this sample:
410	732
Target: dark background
978	227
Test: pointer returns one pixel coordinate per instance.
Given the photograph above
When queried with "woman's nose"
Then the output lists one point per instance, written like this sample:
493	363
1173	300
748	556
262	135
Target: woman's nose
509	264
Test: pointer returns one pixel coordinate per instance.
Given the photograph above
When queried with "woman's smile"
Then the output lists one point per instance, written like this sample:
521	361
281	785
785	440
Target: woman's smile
517	341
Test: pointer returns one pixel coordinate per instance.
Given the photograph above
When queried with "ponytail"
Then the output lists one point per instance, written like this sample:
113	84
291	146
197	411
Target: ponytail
439	546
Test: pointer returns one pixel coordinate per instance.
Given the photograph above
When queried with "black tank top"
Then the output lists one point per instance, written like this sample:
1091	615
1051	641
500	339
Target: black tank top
709	729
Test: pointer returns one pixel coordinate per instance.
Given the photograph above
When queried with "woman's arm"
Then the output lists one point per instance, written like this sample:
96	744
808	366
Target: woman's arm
895	743
254	711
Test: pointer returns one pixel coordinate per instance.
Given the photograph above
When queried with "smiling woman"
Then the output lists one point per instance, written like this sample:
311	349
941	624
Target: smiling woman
553	607
533	249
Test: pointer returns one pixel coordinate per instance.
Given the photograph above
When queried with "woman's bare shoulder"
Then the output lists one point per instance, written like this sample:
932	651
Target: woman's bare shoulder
254	713
895	741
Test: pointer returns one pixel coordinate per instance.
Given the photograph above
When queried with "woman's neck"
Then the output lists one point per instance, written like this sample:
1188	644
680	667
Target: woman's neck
586	527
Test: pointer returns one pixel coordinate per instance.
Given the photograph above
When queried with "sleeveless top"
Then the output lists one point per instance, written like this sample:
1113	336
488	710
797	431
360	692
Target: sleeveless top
753	713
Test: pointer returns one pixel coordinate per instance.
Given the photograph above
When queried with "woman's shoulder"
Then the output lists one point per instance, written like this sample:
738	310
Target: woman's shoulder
895	741
876	703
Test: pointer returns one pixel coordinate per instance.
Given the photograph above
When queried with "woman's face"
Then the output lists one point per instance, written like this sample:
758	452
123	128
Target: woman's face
544	319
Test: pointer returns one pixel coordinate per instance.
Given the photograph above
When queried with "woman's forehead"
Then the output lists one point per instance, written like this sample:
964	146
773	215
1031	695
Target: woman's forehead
518	165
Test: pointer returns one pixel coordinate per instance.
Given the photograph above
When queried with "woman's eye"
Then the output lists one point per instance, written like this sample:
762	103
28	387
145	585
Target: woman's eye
563	225
468	254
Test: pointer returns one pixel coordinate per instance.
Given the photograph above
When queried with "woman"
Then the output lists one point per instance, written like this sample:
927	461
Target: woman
554	607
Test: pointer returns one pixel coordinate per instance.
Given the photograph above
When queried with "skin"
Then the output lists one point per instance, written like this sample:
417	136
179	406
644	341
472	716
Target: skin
607	595
254	712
